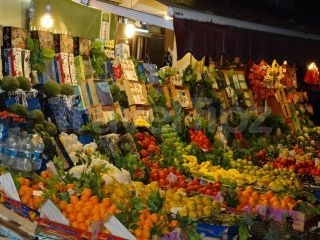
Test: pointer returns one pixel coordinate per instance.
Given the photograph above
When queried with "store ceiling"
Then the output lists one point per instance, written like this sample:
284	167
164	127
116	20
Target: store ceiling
301	15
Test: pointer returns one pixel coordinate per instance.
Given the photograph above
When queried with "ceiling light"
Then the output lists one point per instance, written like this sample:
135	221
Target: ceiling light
47	20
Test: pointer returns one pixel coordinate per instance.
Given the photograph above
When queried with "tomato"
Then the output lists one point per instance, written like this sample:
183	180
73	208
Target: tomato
139	136
217	185
144	153
151	148
162	175
163	182
208	192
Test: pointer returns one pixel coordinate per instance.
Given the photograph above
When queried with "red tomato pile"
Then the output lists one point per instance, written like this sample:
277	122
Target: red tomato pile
200	139
171	178
209	188
148	144
168	177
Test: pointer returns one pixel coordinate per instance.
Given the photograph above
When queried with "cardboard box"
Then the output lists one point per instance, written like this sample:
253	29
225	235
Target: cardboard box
17	62
52	230
14	37
45	39
122	51
128	70
63	43
182	95
136	92
141	112
81	46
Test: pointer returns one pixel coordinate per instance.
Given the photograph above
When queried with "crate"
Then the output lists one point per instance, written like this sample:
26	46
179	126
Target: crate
136	92
14	224
182	95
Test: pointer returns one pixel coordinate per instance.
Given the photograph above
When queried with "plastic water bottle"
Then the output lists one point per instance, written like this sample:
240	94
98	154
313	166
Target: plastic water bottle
24	160
3	136
38	147
11	147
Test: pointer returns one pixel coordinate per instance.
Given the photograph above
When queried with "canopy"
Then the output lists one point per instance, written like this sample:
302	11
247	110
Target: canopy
70	17
208	39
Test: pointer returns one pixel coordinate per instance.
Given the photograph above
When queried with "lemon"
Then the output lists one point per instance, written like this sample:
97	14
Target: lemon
207	211
206	200
169	193
177	196
183	213
192	214
199	212
191	205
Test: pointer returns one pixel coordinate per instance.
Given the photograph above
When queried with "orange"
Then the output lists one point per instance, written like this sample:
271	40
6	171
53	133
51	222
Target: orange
243	199
274	199
72	217
80	218
44	174
87	192
22	191
146	233
70	186
79	206
252	202
255	195
85	198
269	194
147	223
95	217
25	199
74	199
138	232
276	204
86	211
107	202
94	199
142	217
154	218
83	226
27	182
62	204
75	225
88	222
174	224
69	208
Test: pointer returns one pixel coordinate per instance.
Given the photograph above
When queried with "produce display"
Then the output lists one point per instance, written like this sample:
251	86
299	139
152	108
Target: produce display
214	168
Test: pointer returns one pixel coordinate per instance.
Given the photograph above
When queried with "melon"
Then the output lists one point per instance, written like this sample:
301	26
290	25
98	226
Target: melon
50	128
24	83
66	89
51	88
39	127
19	109
9	83
36	116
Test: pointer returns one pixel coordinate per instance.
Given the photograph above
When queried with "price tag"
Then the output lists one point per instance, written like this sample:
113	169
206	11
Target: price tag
172	177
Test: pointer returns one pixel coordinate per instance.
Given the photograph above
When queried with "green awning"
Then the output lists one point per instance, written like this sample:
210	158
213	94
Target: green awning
69	17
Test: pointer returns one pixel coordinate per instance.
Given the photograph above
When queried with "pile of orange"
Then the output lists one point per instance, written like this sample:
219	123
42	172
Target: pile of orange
25	192
148	221
87	208
251	198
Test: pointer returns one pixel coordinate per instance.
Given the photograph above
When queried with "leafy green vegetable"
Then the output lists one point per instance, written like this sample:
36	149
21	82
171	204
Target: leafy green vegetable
98	58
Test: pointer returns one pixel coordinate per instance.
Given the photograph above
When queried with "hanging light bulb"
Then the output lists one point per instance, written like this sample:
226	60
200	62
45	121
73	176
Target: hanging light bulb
47	20
129	30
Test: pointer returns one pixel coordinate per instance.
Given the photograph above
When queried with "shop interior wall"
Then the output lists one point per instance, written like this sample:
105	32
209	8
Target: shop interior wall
13	12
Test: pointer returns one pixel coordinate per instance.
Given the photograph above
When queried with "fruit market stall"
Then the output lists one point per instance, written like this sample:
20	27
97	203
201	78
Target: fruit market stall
104	148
